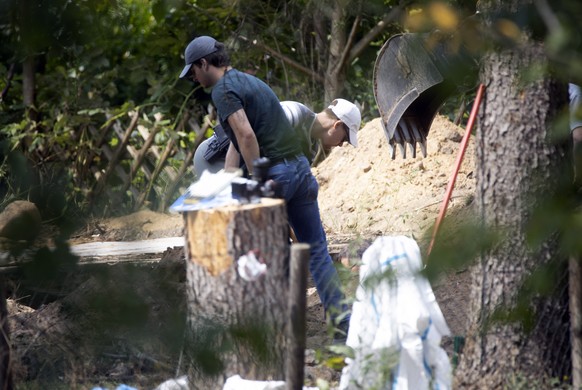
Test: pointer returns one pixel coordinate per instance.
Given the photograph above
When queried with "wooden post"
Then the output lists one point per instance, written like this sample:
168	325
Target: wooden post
297	302
237	322
575	290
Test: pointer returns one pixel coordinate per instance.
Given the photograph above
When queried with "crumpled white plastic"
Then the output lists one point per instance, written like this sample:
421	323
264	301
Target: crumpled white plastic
249	267
237	383
180	383
395	319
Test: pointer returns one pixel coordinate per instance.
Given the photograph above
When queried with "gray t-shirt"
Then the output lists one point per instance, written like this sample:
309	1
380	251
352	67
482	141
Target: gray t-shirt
298	115
301	119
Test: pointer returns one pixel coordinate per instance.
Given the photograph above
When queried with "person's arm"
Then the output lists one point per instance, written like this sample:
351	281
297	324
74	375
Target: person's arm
246	138
232	159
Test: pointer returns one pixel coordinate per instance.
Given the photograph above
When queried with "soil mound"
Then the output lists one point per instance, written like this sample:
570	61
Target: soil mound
364	192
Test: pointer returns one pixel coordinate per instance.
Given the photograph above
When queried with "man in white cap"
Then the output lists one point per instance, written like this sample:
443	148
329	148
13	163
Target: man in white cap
337	124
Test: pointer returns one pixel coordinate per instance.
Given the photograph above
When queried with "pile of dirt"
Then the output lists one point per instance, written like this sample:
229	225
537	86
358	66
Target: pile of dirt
364	192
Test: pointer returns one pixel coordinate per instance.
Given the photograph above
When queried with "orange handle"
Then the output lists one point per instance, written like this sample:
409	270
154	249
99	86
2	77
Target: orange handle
453	179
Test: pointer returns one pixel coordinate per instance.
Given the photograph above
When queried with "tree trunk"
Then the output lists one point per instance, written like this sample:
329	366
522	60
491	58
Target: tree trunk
335	74
516	164
29	86
237	326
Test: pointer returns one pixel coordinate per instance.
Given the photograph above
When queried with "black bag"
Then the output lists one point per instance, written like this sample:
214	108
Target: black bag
218	145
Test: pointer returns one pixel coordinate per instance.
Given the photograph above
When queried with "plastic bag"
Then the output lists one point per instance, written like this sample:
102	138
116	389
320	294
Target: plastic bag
396	324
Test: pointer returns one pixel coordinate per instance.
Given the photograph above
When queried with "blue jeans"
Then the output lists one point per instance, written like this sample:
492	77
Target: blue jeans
299	188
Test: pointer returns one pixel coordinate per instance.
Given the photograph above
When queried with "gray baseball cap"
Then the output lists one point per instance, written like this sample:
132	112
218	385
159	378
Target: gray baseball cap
199	47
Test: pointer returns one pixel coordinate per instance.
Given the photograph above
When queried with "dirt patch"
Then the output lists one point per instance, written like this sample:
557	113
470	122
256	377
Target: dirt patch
142	225
363	194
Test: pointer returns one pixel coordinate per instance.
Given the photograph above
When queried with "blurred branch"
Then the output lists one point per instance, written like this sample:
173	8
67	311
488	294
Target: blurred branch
284	58
374	32
275	53
549	17
345	54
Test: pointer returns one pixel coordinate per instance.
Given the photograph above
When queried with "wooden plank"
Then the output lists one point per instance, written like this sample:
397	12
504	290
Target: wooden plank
122	248
169	196
139	159
156	173
104	252
114	159
156	152
118	170
133	152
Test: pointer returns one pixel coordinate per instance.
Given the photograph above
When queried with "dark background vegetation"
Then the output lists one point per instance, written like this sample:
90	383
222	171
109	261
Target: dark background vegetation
65	64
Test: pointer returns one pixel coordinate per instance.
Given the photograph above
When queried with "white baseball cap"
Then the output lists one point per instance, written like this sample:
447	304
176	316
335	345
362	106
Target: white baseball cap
348	113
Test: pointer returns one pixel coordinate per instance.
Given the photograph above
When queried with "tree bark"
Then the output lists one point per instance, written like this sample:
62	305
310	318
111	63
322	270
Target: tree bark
335	74
237	325
575	288
29	86
516	165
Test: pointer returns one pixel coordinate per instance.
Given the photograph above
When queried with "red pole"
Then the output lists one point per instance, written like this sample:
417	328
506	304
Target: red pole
458	162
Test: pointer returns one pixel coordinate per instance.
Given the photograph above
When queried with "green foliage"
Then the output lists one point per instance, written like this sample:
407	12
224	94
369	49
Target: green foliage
107	57
460	240
520	381
97	60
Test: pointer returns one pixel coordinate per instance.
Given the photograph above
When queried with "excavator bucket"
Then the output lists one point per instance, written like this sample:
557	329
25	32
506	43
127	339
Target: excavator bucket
413	76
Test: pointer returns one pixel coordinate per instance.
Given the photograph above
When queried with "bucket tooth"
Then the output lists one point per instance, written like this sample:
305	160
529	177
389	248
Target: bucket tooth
392	149
408	136
419	135
399	139
413	149
423	148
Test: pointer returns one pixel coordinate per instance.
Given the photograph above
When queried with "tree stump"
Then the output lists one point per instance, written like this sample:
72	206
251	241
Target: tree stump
237	326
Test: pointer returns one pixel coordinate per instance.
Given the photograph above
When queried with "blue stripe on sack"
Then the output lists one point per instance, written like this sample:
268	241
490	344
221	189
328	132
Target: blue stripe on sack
395	371
423	337
425	333
375	307
395	257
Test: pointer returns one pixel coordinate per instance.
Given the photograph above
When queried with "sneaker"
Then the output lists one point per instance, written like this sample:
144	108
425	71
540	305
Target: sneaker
340	334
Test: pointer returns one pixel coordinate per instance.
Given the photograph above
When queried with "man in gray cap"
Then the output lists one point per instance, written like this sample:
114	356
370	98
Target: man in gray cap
255	123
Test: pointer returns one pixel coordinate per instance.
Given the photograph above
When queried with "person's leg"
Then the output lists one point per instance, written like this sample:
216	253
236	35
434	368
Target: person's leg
300	191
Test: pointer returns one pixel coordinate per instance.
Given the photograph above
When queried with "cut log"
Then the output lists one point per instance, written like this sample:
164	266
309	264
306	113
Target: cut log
20	220
237	320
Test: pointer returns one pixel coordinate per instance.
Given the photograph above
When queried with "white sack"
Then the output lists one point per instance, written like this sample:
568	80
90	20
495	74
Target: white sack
395	319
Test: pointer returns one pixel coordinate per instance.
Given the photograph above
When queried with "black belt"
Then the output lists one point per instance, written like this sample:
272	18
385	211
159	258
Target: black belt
279	160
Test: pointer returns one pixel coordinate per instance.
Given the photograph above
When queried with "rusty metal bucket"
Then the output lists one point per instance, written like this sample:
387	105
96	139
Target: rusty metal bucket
413	76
